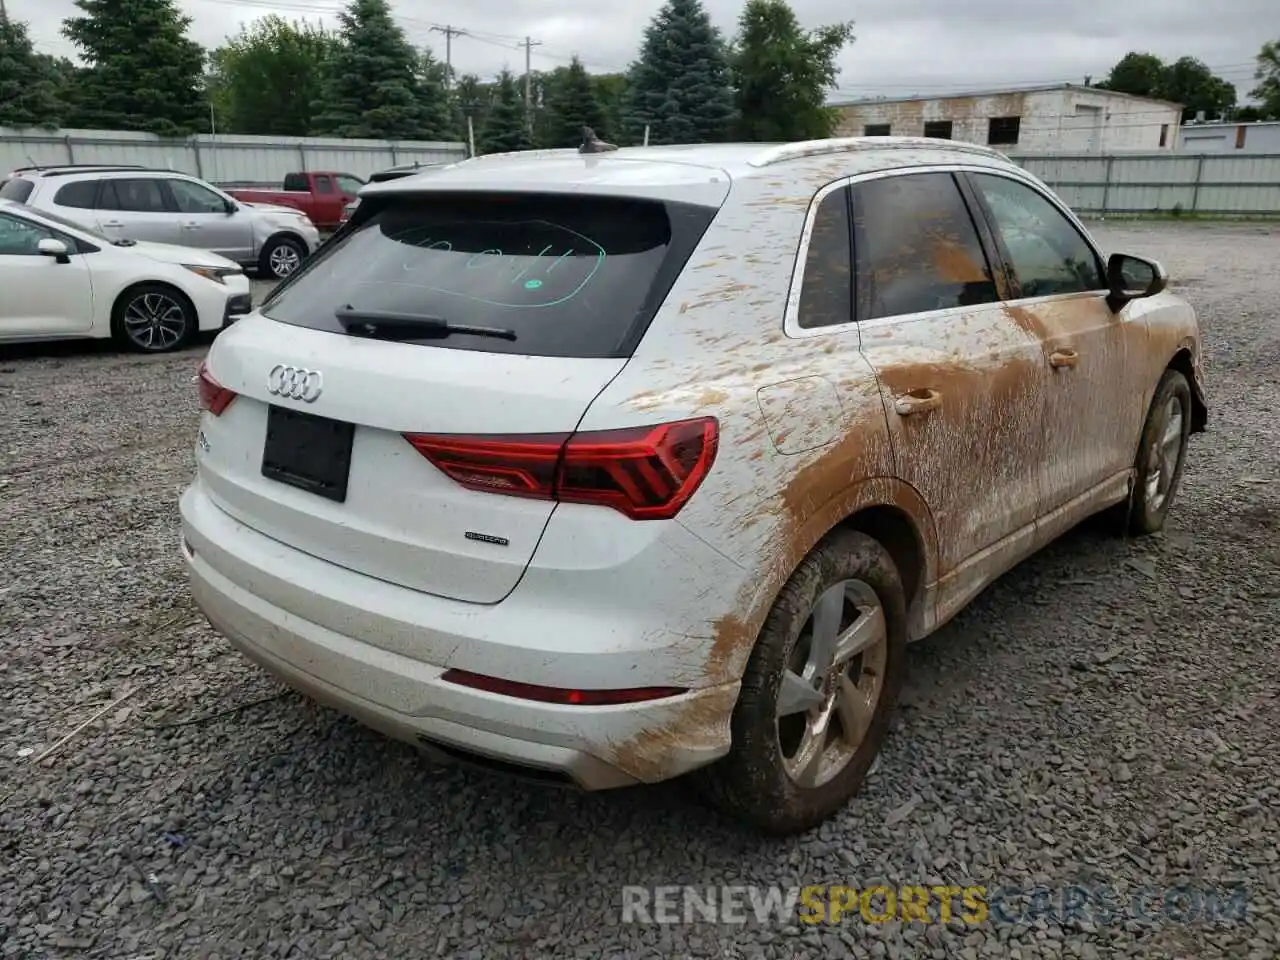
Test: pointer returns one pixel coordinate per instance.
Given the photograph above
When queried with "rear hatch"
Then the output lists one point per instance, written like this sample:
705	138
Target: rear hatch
471	317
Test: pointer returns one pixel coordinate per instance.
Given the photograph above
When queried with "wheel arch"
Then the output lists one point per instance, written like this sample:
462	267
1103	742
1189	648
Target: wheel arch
121	298
1184	362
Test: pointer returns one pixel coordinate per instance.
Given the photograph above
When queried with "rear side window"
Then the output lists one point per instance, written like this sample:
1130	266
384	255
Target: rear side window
134	196
826	295
17	189
324	185
296	181
917	247
81	195
569	276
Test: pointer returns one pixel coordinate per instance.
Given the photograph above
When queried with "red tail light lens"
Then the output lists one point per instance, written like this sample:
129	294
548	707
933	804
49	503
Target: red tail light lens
582	698
214	397
647	473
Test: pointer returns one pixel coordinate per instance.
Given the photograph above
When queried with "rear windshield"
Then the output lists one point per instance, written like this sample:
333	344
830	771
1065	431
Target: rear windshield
16	189
570	276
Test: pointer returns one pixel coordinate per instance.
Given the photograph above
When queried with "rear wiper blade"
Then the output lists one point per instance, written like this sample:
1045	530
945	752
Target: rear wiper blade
383	323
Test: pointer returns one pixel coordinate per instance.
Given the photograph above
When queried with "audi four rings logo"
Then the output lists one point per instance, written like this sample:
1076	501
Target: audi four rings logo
296	383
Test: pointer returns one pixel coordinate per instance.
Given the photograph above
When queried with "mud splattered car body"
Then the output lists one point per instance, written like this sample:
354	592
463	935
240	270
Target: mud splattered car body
908	340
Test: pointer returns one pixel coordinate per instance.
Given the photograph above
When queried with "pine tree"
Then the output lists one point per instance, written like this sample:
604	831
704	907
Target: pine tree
28	87
680	84
781	73
570	105
504	127
144	72
438	120
372	86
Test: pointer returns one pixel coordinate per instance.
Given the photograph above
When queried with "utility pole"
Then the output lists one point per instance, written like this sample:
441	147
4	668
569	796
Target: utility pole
4	14
528	80
449	33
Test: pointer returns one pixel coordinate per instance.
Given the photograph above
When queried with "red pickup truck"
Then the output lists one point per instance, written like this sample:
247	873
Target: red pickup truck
320	194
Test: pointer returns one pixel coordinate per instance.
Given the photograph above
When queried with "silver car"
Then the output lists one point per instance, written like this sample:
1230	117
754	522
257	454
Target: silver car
163	206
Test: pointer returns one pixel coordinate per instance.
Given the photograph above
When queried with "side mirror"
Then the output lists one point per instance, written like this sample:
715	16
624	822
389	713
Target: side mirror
49	247
1133	278
232	207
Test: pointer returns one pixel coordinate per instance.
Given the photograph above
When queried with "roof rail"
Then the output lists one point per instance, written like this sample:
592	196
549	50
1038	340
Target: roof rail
105	168
817	148
42	167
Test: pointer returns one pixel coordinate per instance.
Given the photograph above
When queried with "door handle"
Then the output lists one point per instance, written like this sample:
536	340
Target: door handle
917	401
112	223
190	226
1063	358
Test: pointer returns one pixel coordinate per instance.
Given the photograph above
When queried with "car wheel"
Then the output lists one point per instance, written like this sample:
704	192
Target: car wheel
154	318
281	257
818	690
1161	454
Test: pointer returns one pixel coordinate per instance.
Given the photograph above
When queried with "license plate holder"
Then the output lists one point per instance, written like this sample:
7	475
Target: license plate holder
308	452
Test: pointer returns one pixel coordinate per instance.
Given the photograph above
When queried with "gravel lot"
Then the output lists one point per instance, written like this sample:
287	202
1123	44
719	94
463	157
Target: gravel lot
1106	714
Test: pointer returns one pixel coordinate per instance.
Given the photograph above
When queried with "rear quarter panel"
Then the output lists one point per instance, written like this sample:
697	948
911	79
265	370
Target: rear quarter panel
803	439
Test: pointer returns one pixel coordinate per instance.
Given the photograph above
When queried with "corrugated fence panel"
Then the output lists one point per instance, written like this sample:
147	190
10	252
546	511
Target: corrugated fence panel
1162	182
219	159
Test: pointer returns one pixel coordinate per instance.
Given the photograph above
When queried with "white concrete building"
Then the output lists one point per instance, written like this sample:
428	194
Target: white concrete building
1063	118
1259	137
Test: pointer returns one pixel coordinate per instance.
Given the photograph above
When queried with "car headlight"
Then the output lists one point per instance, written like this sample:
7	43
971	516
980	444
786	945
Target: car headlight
216	274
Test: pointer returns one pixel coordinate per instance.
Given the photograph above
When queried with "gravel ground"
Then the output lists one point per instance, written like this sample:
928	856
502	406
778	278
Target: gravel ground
1106	714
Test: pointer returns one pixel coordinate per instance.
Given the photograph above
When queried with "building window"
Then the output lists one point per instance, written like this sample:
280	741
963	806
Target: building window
1164	134
938	129
1003	131
876	130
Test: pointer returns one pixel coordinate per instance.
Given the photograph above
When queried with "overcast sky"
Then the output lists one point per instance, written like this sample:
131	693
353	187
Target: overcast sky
902	46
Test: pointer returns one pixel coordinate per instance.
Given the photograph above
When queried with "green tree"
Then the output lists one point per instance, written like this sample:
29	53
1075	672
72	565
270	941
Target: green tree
471	99
267	79
1189	82
144	72
680	84
1141	74
29	85
438	120
781	73
1268	77
611	94
504	127
570	105
372	85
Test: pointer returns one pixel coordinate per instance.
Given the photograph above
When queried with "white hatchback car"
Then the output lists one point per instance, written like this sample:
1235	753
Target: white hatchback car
63	281
616	466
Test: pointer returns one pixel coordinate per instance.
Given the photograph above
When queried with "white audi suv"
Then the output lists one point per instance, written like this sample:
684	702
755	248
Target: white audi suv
614	466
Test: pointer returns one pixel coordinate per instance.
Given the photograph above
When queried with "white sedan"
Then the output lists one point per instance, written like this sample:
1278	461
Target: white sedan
63	281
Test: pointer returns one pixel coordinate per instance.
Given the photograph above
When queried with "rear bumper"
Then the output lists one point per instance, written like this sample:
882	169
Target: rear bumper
266	598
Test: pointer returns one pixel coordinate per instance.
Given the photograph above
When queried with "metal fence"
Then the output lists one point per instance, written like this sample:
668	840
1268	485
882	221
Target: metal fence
1239	184
218	159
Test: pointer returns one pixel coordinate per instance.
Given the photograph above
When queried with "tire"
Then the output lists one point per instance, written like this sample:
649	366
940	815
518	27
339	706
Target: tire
281	257
154	318
1162	451
763	780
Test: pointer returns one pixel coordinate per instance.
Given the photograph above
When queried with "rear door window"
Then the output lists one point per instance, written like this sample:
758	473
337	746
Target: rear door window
568	276
135	196
826	295
81	195
917	247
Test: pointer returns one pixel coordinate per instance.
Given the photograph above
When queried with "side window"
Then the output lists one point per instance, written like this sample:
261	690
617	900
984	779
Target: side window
324	185
349	184
81	195
917	247
196	198
134	196
826	291
19	238
17	189
1047	253
296	181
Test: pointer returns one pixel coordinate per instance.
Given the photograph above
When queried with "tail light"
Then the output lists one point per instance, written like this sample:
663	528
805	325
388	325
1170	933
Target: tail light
214	397
647	473
579	698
